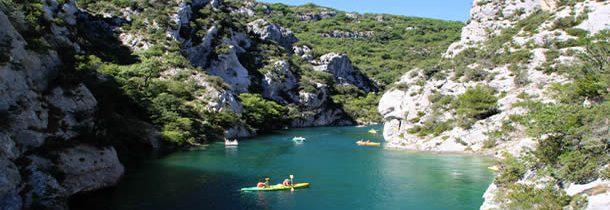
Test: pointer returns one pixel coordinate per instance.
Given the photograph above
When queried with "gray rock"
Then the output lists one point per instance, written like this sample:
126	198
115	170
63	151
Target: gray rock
9	185
238	131
344	73
45	191
314	100
279	84
231	71
322	117
199	54
304	51
7	147
89	168
315	16
77	107
349	34
273	33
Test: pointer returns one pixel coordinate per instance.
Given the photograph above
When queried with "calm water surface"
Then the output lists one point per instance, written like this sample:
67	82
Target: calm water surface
343	176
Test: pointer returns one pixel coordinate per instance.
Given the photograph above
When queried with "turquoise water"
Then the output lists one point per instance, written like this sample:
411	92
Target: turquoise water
343	176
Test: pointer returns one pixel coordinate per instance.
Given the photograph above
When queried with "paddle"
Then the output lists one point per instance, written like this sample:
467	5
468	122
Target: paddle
291	183
266	182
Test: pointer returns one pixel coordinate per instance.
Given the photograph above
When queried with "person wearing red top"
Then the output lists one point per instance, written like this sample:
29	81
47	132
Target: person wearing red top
261	184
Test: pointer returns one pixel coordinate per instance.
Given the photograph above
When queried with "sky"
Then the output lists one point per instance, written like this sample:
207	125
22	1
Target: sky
439	9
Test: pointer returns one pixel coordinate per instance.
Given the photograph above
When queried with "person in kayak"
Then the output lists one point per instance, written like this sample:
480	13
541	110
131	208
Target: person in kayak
261	184
287	182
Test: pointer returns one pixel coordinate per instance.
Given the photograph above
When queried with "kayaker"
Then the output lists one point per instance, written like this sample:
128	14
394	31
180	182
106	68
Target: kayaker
261	184
287	182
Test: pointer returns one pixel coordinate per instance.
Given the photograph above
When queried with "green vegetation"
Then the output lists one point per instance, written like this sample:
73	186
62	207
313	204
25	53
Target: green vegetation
431	127
511	170
572	136
524	196
170	102
261	114
398	44
475	104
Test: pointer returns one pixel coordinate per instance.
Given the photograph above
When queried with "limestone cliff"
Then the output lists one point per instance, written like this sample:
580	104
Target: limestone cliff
42	108
508	55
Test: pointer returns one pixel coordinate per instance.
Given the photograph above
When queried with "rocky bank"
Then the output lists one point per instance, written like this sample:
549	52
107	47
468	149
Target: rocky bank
419	101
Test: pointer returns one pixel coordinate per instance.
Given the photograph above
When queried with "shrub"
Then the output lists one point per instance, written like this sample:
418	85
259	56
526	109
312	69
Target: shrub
489	143
511	170
477	103
260	113
578	167
524	196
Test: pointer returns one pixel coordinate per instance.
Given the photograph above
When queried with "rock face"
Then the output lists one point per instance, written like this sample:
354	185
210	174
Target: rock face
37	109
344	73
316	16
349	35
279	84
272	33
231	71
88	168
199	54
9	185
417	99
316	109
484	19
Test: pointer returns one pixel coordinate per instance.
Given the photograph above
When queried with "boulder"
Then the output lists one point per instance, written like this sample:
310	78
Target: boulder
88	168
340	66
304	51
271	32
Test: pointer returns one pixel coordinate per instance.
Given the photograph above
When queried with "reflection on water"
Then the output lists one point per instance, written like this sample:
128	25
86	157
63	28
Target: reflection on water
343	176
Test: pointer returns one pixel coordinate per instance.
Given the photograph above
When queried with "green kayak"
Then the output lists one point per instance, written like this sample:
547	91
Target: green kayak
276	187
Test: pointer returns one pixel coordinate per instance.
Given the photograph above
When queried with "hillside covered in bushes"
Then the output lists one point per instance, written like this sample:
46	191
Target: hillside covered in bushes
86	84
533	92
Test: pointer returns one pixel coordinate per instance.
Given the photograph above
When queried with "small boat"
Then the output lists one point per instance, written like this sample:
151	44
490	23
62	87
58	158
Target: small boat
298	139
360	126
373	131
231	143
368	143
276	187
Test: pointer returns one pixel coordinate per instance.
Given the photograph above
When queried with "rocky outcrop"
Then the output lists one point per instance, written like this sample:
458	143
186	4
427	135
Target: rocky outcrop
343	71
9	185
231	71
280	84
42	105
304	51
485	20
597	193
315	16
420	100
89	168
272	33
316	110
349	34
199	54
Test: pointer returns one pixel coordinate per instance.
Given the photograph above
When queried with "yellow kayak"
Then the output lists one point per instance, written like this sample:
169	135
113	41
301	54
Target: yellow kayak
276	187
365	143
